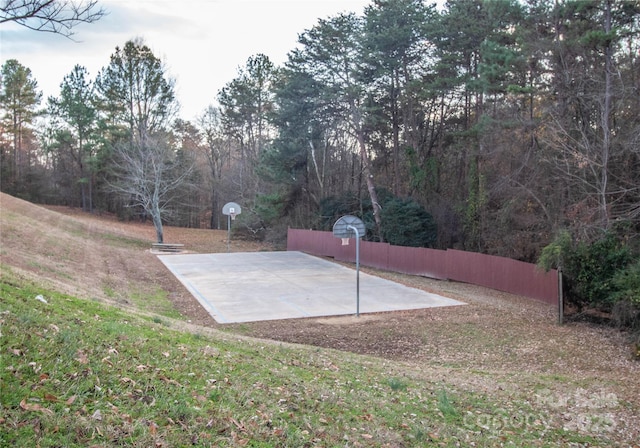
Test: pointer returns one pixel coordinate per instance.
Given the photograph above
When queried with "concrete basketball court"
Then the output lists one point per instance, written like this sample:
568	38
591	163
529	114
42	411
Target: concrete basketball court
254	286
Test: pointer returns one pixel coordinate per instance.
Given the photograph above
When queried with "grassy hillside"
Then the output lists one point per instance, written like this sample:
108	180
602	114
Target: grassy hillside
79	373
107	360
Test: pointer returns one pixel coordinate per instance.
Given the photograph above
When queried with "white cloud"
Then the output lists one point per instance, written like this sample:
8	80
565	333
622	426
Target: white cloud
202	42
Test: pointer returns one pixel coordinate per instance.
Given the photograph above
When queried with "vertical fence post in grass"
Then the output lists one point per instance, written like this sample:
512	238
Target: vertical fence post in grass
560	298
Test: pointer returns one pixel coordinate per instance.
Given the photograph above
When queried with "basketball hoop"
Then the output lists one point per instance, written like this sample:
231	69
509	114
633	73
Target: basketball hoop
231	209
351	227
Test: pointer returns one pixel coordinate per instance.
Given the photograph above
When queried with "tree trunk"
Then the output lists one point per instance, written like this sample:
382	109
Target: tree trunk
157	222
606	129
366	170
395	123
370	185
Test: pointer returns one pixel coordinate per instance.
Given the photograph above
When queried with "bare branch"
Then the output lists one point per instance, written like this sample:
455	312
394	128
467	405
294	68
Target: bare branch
146	175
51	16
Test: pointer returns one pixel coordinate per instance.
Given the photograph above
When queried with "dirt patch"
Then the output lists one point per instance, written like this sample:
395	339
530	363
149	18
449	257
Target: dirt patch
507	327
350	320
498	334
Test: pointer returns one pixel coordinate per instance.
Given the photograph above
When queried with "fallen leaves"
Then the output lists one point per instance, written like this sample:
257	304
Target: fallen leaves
211	351
127	380
169	380
138	372
238	424
34	407
82	357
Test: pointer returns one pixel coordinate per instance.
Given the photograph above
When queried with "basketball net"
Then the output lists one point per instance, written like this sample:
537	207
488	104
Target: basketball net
345	241
233	216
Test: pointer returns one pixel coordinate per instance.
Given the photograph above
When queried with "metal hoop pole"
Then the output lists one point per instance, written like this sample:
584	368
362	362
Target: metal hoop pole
357	269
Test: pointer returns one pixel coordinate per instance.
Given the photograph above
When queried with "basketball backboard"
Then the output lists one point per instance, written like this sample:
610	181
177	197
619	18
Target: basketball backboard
344	227
231	209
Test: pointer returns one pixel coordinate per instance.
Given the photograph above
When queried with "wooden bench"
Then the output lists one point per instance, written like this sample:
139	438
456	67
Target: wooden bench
167	247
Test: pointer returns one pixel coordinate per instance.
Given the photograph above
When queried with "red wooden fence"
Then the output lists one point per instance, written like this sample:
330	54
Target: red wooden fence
493	272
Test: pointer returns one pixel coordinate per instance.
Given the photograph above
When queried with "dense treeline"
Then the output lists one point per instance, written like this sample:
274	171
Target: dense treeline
495	126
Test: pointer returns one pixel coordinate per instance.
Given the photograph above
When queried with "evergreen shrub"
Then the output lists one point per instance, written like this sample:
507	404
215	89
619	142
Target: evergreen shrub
407	223
596	275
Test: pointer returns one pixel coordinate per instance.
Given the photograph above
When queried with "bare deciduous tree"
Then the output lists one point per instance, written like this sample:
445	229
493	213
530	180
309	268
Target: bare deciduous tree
51	16
147	175
217	149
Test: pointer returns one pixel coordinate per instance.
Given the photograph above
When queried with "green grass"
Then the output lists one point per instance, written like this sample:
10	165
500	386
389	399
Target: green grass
78	373
445	405
156	302
124	241
397	384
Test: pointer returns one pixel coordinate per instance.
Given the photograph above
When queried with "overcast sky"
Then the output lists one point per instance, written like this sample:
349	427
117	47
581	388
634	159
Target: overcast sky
201	42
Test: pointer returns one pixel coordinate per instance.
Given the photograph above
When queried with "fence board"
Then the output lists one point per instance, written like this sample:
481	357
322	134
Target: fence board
493	272
418	261
375	255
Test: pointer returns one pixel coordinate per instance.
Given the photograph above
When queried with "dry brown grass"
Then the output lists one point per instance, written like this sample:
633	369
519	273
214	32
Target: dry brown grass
498	343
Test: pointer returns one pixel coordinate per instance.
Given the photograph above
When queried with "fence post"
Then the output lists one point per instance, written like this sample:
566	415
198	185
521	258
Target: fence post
560	298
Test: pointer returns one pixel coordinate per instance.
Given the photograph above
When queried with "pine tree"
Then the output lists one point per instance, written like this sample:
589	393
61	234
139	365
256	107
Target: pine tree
19	99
